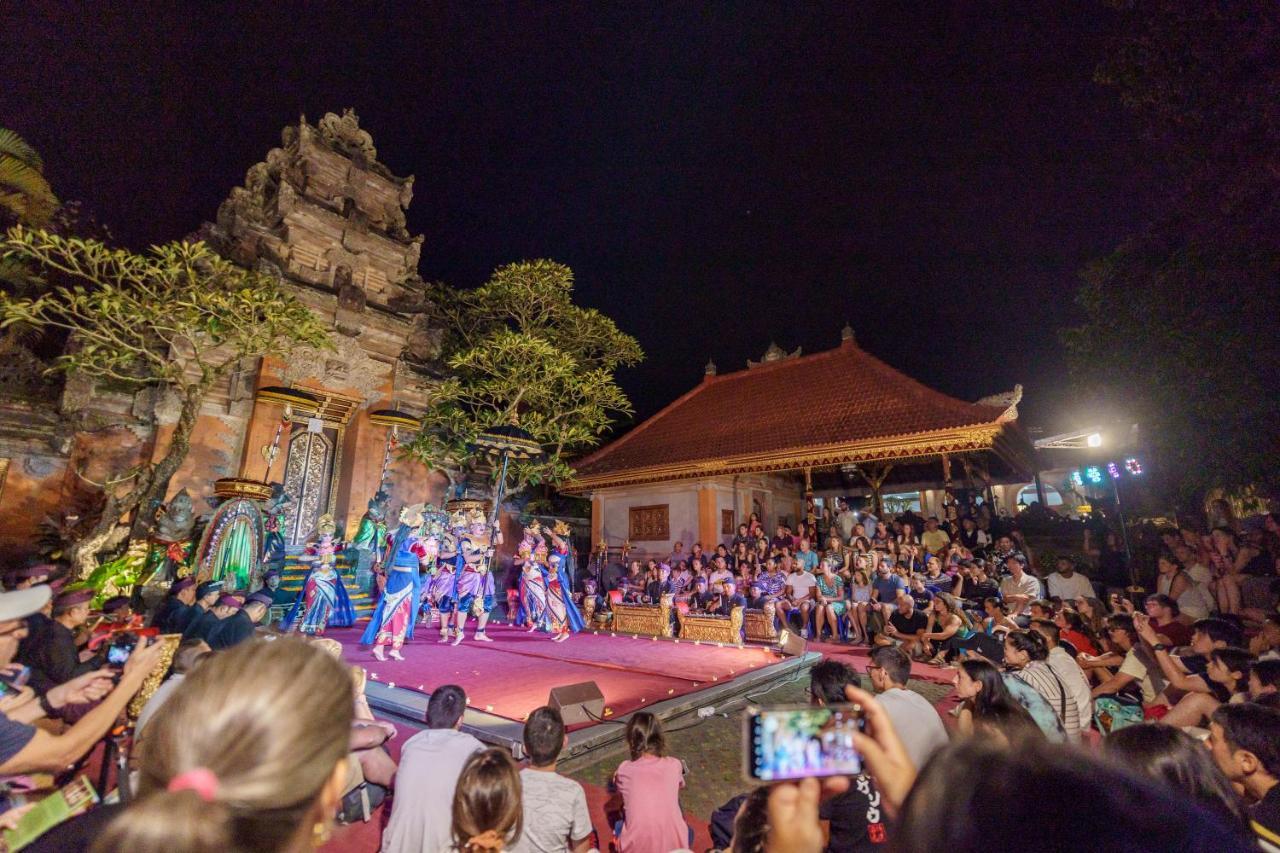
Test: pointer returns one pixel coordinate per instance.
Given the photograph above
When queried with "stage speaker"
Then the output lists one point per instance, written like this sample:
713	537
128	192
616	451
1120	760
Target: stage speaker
791	644
578	703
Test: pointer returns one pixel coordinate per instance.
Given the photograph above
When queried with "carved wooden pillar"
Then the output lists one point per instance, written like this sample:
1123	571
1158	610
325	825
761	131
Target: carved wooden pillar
809	516
875	479
947	497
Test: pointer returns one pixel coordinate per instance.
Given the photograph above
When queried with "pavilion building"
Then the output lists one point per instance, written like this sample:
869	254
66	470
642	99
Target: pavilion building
833	423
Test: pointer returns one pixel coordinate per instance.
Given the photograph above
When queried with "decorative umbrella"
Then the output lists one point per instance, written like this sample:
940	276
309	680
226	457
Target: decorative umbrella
505	442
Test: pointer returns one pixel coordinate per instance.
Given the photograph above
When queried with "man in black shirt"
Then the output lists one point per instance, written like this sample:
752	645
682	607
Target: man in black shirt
906	624
56	659
701	600
206	596
854	821
727	600
175	607
202	626
238	626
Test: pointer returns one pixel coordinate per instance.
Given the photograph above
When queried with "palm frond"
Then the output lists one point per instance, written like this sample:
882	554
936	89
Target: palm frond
15	146
24	192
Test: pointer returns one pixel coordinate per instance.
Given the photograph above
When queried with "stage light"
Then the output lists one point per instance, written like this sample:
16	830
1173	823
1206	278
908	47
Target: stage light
1077	478
1094	439
1114	470
1133	466
1093	474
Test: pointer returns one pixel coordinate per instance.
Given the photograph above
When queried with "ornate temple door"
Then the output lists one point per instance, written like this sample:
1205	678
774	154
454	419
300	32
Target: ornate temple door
308	479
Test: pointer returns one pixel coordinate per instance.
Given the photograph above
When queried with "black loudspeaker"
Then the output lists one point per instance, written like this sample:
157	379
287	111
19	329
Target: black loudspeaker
578	703
790	643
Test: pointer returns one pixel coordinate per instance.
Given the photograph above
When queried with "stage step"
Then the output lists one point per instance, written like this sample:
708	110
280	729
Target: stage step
294	573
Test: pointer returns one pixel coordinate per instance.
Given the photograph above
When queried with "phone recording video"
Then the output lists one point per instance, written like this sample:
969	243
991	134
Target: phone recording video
120	649
801	741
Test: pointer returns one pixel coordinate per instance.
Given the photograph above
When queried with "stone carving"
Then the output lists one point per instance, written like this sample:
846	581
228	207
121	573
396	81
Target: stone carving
344	133
178	520
774	353
348	366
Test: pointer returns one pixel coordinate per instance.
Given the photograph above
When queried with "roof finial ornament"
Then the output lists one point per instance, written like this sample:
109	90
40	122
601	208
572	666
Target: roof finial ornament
846	334
710	369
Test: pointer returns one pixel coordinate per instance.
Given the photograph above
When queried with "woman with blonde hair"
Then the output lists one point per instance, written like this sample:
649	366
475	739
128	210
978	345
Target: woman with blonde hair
488	814
249	755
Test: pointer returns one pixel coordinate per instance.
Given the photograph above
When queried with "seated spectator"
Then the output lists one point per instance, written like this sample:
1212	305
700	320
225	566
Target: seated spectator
978	790
987	706
189	653
1174	758
27	749
1073	629
430	763
1041	608
1164	613
829	606
853	820
650	783
249	754
487	812
906	627
1227	680
859	608
1065	667
555	808
919	594
1133	682
1019	589
1025	656
948	629
1175	583
1067	583
1245	742
977	587
799	597
720	571
886	589
934	540
238	626
751	824
1264	679
56	659
916	721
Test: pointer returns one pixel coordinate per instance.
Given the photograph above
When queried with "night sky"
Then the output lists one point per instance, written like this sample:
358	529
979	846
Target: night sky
718	175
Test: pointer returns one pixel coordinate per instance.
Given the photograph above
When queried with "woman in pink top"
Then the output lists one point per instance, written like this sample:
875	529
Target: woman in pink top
650	785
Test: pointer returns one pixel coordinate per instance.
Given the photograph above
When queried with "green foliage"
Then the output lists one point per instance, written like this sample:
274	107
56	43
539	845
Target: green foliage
118	576
25	194
179	316
1179	330
520	352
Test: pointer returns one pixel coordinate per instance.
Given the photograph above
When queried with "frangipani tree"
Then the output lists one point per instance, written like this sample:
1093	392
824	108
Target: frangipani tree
520	352
177	318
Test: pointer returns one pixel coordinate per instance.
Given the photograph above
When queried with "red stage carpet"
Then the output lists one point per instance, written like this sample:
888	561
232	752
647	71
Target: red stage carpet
513	675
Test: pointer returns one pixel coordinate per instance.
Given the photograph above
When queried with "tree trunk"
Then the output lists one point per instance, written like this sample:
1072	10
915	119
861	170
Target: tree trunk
149	488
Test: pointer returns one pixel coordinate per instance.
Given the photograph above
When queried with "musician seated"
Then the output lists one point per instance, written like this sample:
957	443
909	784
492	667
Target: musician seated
727	600
701	601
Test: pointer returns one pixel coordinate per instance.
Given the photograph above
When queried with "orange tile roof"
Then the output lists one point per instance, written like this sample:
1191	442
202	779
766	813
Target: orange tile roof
839	406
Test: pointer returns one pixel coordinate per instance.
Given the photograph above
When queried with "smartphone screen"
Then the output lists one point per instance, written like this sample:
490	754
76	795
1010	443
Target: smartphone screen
800	741
118	655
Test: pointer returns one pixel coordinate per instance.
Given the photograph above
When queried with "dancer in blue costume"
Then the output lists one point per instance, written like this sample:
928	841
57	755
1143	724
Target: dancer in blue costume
392	621
562	613
323	599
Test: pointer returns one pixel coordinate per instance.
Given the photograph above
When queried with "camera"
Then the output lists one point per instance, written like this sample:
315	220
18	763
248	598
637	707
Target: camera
121	647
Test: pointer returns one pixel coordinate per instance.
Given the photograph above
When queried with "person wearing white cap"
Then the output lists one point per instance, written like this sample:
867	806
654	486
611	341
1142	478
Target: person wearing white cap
26	749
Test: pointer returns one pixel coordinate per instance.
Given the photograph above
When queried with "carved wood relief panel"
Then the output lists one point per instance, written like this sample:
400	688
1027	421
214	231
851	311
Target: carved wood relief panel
650	523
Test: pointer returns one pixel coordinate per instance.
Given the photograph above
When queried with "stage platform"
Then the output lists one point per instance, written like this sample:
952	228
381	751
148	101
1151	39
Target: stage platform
508	678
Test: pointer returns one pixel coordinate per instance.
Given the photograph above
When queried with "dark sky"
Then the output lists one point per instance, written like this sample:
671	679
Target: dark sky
718	175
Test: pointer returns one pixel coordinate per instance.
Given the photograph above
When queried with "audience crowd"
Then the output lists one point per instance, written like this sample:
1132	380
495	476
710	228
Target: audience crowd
1085	713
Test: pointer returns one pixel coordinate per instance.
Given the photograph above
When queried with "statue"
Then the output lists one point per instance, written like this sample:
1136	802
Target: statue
274	514
370	539
169	556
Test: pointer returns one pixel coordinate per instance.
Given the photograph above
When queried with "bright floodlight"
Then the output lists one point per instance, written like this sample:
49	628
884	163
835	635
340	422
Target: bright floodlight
1094	439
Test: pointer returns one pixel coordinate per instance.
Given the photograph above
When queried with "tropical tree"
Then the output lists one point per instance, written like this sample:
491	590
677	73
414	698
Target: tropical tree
520	352
25	194
176	319
1179	328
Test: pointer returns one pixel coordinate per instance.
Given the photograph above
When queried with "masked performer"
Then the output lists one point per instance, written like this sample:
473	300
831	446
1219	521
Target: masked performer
439	592
472	580
392	621
323	599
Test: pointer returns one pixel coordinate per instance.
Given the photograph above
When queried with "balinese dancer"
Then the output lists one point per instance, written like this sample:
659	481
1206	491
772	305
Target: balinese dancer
392	621
533	587
521	562
438	585
472	580
562	614
440	590
323	599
